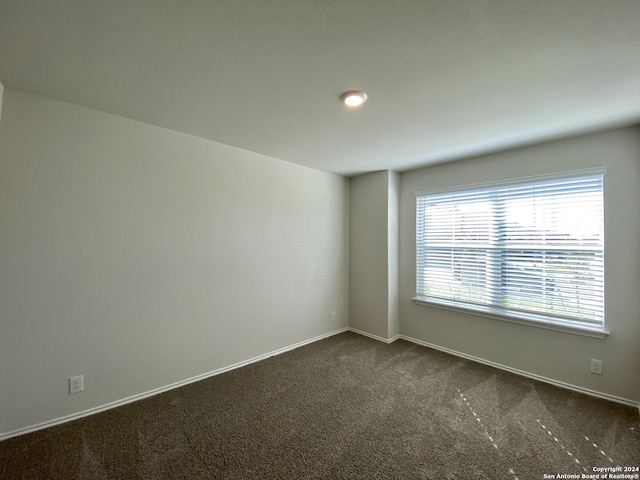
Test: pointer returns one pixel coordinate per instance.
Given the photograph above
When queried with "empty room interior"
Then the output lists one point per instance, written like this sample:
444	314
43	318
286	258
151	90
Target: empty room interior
319	239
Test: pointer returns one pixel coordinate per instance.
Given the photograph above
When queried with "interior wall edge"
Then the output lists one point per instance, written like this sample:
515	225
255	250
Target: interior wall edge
375	337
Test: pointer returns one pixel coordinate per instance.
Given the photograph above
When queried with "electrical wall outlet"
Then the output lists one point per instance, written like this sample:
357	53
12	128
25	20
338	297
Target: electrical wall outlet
596	366
76	384
333	316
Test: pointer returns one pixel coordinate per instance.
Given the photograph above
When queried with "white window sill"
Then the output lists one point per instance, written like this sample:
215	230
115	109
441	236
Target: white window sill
522	319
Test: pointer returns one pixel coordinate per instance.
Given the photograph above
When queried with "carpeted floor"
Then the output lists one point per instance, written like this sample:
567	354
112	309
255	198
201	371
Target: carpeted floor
344	407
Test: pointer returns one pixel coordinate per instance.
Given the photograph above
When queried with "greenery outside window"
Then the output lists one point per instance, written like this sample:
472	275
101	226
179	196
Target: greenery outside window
528	249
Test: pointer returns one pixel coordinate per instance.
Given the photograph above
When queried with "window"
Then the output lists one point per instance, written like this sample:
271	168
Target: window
530	249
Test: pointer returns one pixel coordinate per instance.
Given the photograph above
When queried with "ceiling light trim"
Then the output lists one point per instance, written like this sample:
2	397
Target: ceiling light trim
353	98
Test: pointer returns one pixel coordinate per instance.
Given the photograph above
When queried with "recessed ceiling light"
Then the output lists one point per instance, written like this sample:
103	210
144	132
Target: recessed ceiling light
353	98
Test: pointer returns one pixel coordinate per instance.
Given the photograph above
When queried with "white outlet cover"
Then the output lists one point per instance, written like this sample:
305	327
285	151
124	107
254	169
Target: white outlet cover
596	366
76	384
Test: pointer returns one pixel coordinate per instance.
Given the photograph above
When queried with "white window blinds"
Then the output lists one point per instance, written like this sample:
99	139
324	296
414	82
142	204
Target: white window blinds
532	249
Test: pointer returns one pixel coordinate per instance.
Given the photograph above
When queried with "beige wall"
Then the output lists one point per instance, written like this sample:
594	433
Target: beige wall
374	236
393	255
368	268
559	356
138	257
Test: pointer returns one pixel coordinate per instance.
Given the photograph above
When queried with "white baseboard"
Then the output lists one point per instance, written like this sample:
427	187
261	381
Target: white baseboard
522	373
156	391
375	337
151	393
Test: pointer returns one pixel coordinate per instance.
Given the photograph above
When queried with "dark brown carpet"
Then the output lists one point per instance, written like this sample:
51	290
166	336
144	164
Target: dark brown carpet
344	407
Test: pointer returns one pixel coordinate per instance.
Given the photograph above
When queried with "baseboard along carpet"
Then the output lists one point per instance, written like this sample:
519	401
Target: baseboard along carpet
343	407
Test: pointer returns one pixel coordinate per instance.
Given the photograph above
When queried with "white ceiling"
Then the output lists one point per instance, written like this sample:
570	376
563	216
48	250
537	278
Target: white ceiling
446	78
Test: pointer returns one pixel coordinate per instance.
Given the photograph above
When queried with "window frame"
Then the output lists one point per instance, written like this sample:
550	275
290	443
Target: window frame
515	316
